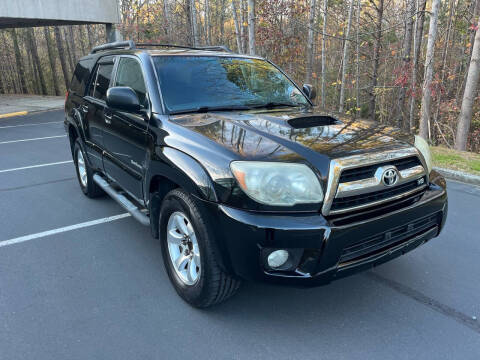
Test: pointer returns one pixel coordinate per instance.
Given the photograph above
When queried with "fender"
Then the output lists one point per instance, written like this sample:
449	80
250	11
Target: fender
183	170
179	169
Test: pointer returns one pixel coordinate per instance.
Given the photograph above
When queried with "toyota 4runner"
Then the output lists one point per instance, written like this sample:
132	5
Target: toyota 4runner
239	175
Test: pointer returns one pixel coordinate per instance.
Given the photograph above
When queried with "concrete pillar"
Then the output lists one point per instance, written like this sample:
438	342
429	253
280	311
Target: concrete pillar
112	33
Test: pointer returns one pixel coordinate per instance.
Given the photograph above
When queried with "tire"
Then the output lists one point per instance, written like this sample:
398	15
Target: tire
213	285
88	186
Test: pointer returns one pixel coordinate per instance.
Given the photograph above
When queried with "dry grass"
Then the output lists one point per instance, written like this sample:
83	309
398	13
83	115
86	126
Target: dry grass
456	160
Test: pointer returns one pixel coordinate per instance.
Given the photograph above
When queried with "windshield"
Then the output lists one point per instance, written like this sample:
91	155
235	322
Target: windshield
191	83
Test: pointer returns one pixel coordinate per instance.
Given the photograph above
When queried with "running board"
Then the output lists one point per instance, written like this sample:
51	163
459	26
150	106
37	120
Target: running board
122	200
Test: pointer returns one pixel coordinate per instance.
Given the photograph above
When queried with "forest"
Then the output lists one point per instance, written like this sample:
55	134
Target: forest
413	64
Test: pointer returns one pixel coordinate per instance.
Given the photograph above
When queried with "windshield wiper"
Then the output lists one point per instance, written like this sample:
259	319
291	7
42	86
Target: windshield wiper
204	109
272	104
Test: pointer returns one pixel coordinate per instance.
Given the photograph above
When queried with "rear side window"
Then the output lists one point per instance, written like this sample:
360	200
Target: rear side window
101	81
129	73
80	77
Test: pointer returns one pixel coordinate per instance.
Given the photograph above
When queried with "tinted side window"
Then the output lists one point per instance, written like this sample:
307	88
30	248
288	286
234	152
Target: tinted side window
129	73
80	77
101	81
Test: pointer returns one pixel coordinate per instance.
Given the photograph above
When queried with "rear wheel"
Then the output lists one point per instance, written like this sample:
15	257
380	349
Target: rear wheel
188	252
84	172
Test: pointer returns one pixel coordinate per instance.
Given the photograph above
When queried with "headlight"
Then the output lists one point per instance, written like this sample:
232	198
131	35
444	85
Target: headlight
424	148
281	184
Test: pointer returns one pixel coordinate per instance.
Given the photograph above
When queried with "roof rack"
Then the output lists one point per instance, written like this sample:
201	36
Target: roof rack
129	45
207	48
114	45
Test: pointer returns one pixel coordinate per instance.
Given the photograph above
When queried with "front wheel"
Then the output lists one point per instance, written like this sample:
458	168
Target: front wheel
84	172
188	252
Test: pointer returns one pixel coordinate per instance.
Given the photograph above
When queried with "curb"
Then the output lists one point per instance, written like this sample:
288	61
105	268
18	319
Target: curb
459	176
23	113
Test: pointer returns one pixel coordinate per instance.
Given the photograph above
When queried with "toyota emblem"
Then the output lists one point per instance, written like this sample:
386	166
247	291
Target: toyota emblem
390	177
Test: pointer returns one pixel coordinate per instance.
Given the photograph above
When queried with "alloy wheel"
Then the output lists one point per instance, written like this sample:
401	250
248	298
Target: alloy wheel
183	248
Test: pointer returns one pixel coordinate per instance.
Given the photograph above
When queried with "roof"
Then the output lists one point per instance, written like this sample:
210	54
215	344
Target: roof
130	47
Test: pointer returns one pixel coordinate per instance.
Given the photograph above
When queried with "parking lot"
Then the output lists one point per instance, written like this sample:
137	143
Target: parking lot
77	281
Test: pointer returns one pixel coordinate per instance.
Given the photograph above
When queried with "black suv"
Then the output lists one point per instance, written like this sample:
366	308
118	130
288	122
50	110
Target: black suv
239	175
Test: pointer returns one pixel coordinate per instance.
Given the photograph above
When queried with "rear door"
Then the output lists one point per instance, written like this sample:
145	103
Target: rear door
125	136
94	109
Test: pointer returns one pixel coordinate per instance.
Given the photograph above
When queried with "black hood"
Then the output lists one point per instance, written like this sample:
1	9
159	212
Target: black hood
283	134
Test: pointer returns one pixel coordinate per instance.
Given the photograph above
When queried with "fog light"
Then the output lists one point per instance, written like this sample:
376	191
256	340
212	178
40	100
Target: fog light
277	258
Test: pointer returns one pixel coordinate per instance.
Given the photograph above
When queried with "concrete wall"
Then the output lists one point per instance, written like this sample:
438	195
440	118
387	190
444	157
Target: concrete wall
57	12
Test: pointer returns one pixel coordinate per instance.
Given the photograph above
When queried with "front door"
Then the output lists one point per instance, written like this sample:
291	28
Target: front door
125	136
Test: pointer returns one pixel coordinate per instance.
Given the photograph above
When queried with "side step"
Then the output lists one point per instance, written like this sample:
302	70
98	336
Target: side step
122	200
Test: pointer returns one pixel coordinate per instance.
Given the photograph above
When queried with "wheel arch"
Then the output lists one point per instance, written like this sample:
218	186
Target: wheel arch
172	169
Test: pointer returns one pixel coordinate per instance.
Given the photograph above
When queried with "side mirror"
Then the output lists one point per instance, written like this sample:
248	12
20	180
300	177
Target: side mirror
310	91
123	98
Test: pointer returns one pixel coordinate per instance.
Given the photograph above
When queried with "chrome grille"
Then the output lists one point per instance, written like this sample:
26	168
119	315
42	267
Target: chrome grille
369	171
360	181
349	202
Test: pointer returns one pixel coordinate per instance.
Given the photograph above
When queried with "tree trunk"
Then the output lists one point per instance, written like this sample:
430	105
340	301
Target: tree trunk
72	45
345	57
51	58
473	77
376	57
453	5
166	15
36	60
69	52
407	49
193	14
238	35
325	7
242	26
19	62
419	21
251	27
427	83
222	21
91	42
61	55
311	35
82	39
207	23
357	73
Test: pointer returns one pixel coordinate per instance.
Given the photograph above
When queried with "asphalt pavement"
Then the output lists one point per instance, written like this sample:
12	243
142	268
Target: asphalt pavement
76	283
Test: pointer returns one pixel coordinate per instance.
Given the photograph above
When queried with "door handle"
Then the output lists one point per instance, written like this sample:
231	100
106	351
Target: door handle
108	118
84	108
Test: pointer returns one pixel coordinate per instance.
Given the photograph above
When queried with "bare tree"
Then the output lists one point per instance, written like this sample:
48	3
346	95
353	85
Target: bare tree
238	34
465	118
407	50
251	27
193	15
310	55
376	55
19	62
419	21
325	7
243	30
427	83
51	58
357	71
36	60
207	23
345	57
91	42
61	55
166	15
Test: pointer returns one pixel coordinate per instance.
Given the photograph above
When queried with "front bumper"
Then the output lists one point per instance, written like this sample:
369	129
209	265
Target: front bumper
324	249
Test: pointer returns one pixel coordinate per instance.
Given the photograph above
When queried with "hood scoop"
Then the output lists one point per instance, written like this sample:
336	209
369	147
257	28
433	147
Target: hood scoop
309	121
